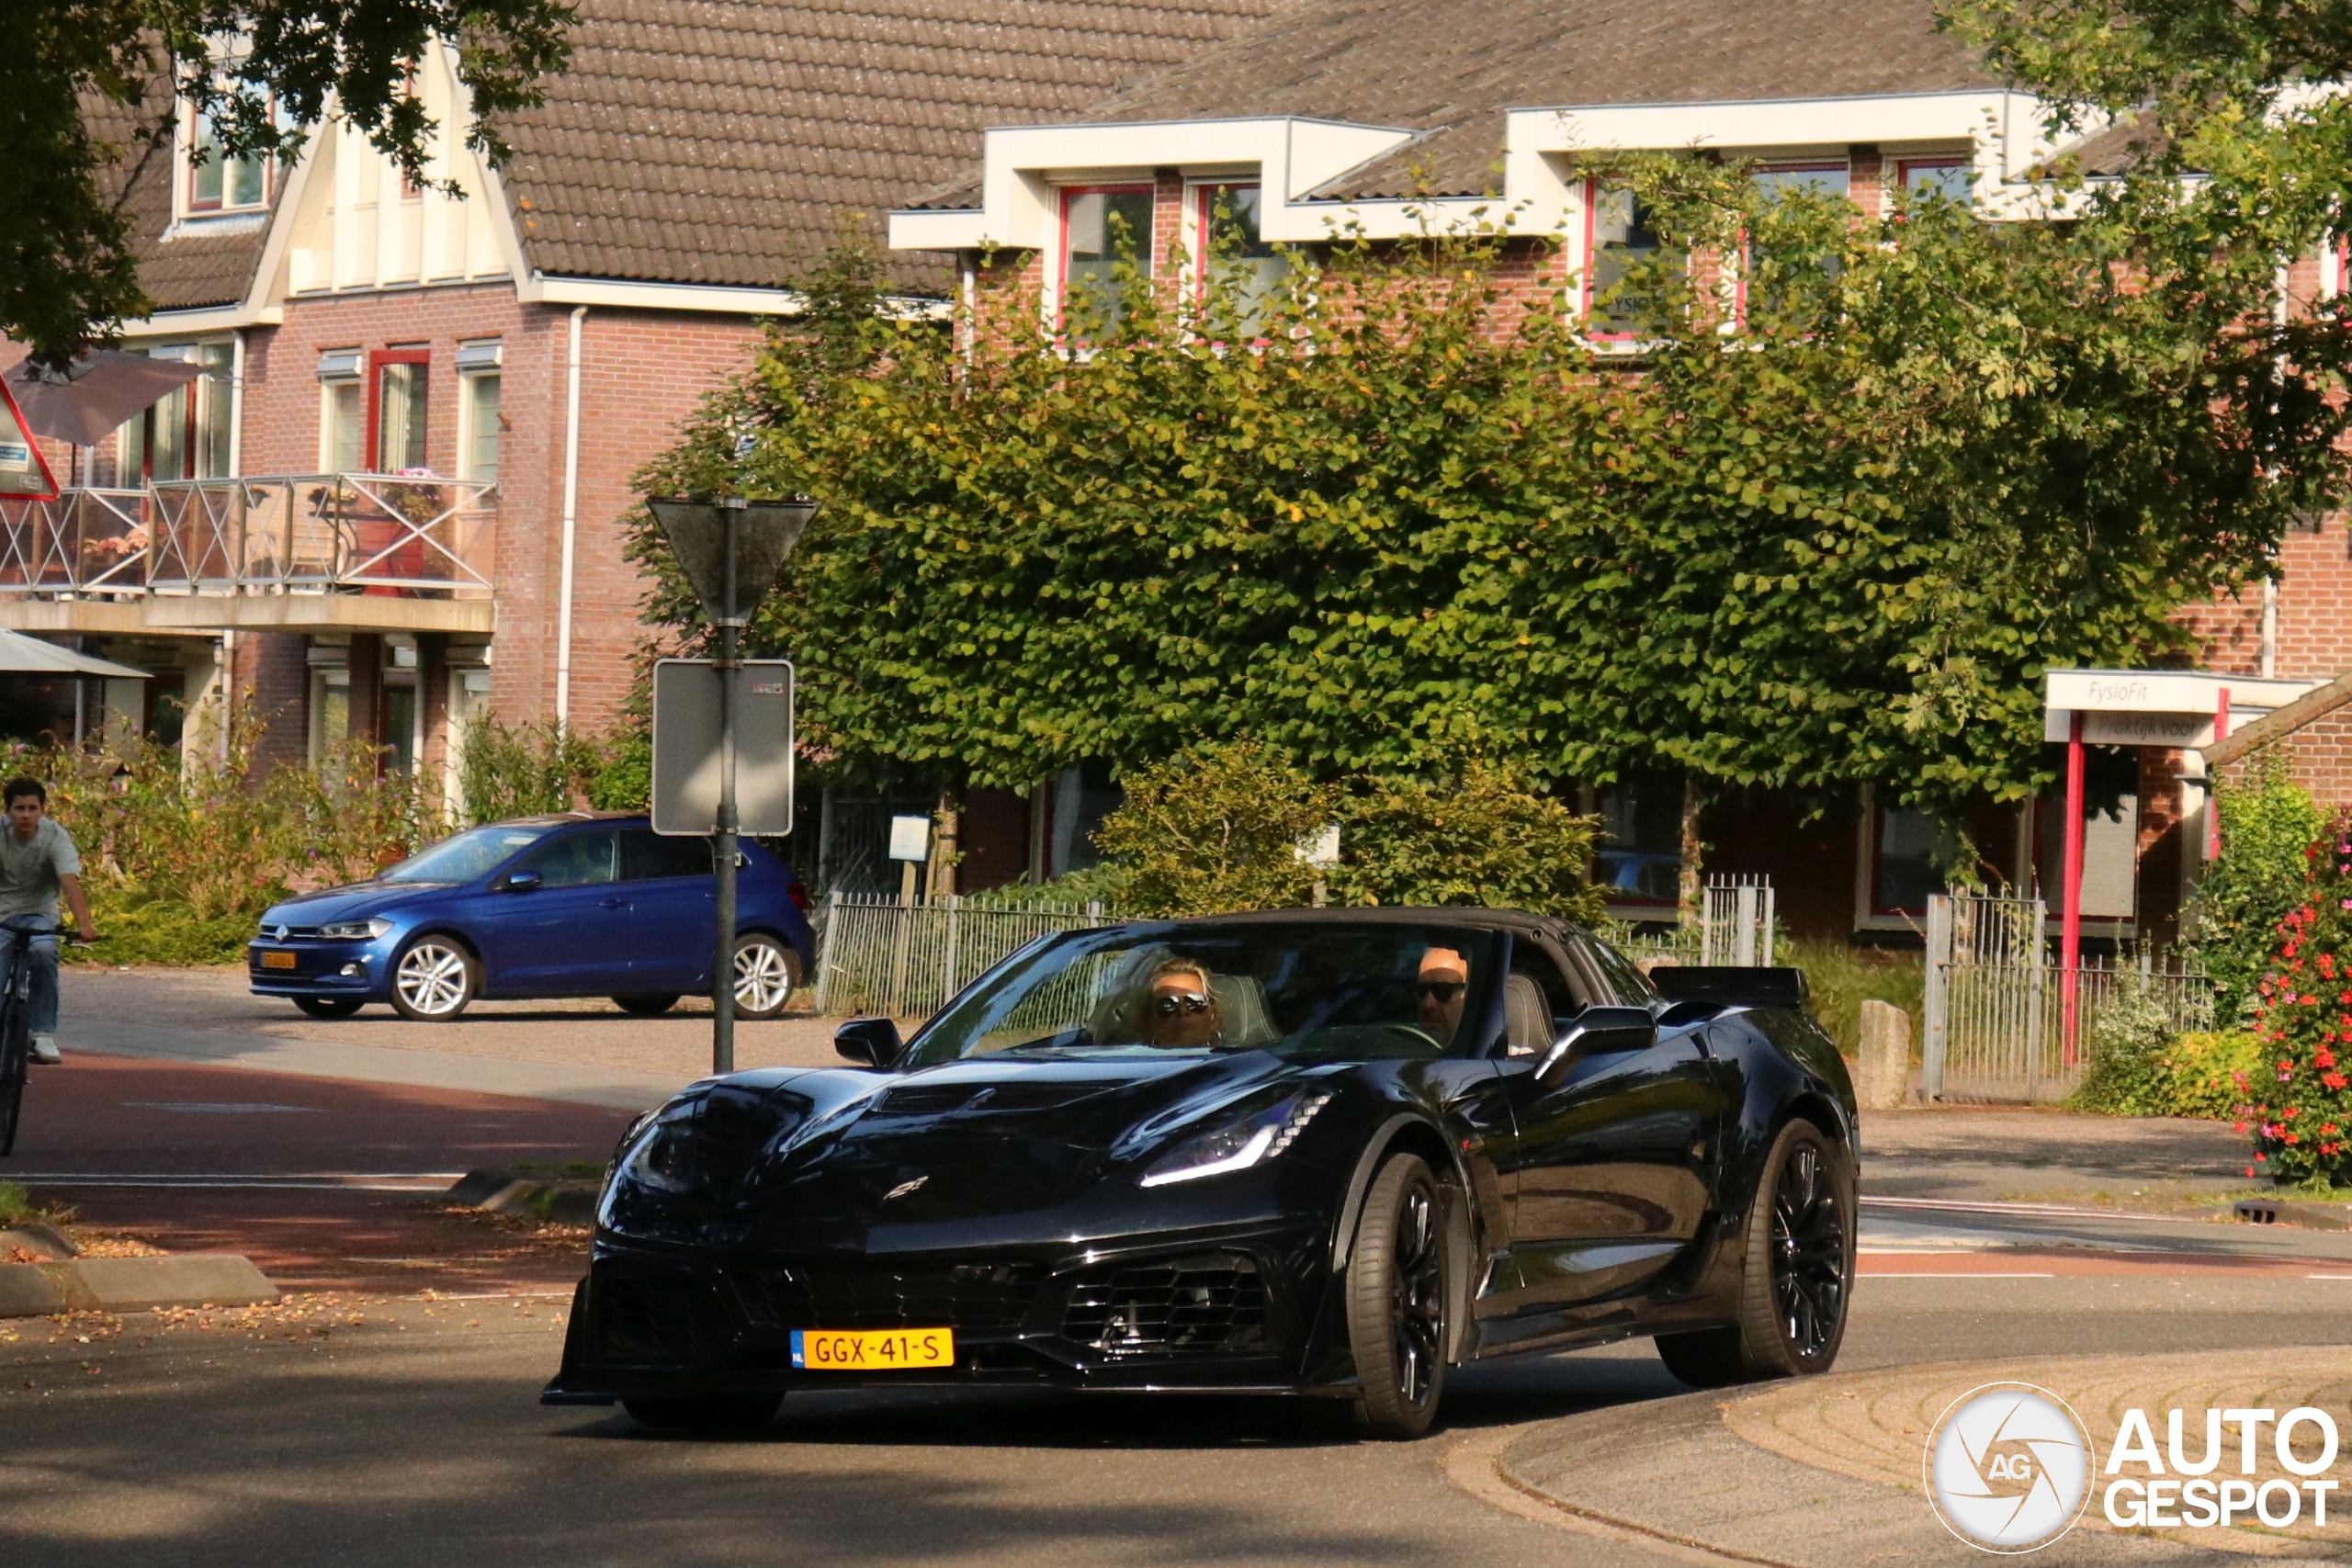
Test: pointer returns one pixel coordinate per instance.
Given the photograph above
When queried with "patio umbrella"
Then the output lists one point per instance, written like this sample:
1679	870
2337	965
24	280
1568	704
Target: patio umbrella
22	655
97	392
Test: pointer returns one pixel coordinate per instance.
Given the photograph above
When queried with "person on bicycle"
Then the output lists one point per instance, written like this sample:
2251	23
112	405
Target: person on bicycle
38	862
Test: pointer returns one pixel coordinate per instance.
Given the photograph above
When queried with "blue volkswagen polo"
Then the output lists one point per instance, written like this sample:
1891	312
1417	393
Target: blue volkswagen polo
576	905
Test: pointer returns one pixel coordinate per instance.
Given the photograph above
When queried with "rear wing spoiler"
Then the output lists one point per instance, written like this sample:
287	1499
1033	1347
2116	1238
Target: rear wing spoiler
1723	987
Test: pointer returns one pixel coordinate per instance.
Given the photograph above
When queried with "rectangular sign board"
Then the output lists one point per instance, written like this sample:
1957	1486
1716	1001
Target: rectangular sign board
686	747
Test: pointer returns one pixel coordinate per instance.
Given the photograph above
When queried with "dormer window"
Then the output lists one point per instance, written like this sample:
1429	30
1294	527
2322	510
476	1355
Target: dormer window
1231	250
1946	177
1618	239
216	181
1103	228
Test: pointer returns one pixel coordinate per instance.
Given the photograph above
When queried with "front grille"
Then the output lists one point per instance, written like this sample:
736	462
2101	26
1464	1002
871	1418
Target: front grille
669	1319
977	1295
1213	1300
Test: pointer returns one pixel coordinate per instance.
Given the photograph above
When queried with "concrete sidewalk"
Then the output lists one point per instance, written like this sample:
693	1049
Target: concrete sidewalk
2043	1155
1827	1473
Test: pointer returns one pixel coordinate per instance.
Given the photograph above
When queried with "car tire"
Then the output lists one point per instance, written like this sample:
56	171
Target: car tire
648	1005
435	979
329	1007
767	975
1397	1299
1797	1272
712	1413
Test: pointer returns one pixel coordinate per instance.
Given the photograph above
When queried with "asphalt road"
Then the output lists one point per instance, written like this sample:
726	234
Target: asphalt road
414	1436
374	1425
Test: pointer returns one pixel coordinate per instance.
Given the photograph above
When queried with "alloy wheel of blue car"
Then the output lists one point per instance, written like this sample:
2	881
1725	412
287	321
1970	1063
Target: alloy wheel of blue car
435	980
766	974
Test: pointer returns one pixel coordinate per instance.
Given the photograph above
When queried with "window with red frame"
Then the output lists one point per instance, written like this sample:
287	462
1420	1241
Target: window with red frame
1234	259
396	379
1945	177
1618	239
216	182
1106	230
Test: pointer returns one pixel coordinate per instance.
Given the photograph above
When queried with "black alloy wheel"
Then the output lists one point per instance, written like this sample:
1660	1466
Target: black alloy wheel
1397	1299
708	1414
647	1004
15	1061
329	1007
1798	1276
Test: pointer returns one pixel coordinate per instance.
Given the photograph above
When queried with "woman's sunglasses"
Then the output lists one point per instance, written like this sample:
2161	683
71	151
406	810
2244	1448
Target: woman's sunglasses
1170	1005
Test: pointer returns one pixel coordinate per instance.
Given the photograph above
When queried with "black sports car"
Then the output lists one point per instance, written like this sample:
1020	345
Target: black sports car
1316	1152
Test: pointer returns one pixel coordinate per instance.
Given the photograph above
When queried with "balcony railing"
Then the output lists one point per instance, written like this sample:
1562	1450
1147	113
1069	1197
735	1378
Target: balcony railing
379	534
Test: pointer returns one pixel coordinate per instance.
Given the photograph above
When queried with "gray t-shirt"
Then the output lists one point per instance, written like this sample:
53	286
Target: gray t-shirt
29	871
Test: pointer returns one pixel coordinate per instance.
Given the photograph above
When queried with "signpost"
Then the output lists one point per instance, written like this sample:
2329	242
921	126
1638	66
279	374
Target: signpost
732	552
687	746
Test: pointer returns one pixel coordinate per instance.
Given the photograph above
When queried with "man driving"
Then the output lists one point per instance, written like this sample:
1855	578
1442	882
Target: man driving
1443	980
1181	1011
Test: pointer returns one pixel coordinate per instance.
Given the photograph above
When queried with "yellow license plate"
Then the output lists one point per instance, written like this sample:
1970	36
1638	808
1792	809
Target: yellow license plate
277	961
872	1350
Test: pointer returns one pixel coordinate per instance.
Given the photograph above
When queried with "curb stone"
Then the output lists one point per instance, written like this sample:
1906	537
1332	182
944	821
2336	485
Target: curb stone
132	1284
528	1197
2287	1211
36	1236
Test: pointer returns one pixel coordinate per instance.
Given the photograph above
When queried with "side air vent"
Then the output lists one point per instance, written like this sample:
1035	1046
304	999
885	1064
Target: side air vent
1209	1302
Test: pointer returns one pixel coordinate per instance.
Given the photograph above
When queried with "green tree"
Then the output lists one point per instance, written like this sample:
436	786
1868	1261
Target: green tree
78	73
1215	829
1479	836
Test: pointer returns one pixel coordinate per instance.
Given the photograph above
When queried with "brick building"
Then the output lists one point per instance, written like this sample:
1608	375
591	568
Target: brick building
394	499
1337	116
695	154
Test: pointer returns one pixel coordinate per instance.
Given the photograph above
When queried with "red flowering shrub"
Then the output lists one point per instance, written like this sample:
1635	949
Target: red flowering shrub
2298	1107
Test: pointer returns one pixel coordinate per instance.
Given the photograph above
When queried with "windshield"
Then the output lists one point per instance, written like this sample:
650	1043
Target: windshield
466	856
1319	988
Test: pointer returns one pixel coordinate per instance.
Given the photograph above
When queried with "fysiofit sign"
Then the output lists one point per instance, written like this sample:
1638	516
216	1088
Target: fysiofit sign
2010	1468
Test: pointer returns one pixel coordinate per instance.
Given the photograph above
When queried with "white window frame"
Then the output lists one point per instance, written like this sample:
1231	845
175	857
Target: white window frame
183	148
477	358
341	368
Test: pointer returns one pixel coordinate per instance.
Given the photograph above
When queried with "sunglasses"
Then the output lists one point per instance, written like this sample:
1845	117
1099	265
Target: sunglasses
1180	1001
1441	990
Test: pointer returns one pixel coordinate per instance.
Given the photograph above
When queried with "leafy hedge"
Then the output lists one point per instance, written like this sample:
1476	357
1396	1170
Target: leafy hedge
2141	1072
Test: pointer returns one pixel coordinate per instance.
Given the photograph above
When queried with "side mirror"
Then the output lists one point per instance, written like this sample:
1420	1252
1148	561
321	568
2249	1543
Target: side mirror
522	882
868	1041
1598	1032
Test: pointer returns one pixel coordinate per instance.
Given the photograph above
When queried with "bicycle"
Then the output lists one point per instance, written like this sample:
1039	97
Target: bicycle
15	1031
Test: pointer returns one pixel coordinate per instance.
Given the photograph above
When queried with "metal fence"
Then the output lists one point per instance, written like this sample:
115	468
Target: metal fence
875	954
1995	1001
389	533
1738	925
83	541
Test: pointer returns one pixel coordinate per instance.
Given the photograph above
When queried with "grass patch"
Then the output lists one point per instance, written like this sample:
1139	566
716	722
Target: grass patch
1842	976
16	1206
142	930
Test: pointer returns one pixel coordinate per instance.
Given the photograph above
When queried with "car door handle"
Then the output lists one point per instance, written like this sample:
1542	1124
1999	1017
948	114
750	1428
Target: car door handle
616	903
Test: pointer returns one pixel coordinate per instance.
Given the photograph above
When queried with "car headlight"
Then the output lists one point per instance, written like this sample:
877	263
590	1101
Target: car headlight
356	930
1247	1140
677	1166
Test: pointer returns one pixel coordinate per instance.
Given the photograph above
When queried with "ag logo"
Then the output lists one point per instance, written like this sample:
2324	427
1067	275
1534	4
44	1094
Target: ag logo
2009	1467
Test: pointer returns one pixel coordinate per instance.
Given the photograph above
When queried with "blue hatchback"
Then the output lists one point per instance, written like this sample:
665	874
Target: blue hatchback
575	905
